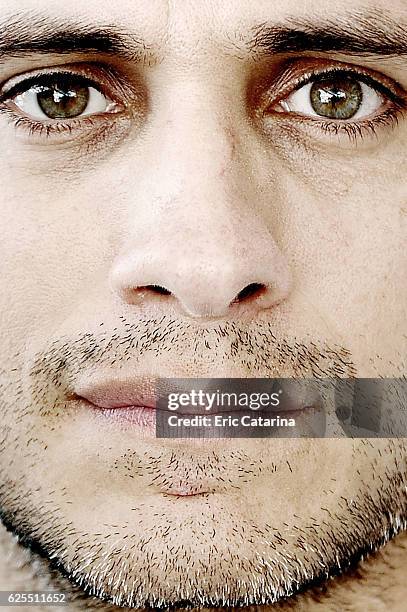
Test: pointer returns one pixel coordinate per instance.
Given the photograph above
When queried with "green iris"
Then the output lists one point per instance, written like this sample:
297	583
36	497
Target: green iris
63	100
336	97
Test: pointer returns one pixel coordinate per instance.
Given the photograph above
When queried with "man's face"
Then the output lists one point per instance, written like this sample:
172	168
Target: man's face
194	191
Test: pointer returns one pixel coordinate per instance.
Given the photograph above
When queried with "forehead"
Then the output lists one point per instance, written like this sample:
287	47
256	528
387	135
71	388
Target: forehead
191	24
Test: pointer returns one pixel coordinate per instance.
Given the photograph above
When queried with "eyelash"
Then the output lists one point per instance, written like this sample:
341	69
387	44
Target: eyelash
352	129
38	128
355	130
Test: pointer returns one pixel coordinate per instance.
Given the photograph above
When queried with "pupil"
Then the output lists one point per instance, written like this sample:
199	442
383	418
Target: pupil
336	98
63	101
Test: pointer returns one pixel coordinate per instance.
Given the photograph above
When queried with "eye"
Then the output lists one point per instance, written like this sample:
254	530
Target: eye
59	96
334	96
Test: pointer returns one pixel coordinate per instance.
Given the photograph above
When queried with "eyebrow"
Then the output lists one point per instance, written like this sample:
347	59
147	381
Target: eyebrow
368	33
27	34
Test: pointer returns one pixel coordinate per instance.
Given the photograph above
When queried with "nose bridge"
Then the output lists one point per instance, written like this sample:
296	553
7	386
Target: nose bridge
193	189
197	138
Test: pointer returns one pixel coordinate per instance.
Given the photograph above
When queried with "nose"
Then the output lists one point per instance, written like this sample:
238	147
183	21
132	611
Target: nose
225	277
194	238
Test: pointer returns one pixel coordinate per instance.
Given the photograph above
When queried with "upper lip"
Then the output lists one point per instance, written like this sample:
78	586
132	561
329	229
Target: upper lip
118	393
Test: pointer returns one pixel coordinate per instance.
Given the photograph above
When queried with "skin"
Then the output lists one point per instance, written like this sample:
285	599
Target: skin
195	189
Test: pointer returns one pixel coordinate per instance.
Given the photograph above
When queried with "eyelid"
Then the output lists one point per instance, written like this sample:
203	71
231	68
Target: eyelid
299	74
41	81
99	77
368	80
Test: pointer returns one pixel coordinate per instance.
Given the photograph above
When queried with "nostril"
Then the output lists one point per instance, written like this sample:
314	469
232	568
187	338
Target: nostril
157	289
252	290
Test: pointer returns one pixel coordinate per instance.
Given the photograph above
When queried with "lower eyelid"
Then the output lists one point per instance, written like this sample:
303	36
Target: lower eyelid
317	131
90	131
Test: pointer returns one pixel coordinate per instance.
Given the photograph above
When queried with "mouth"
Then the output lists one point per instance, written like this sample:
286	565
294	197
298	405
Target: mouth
137	402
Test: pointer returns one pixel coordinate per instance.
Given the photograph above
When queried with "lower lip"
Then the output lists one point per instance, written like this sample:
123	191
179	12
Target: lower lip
143	420
141	416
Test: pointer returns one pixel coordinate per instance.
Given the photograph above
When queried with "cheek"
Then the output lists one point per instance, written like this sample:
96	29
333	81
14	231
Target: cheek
341	225
52	243
335	168
344	234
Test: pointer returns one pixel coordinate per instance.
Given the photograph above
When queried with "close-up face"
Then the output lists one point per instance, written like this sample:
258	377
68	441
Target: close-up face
197	189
